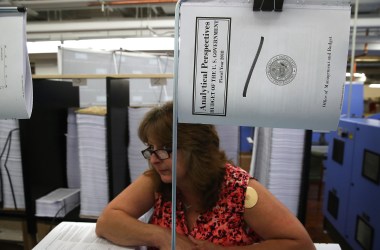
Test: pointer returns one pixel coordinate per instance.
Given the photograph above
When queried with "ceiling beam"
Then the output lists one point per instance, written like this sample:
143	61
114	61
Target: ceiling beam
82	26
370	22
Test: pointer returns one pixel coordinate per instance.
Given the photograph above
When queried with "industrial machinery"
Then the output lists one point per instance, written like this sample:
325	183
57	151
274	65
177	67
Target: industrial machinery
352	183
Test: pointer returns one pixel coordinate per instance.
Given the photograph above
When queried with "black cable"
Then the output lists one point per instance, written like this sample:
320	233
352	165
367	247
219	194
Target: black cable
1	176
6	168
56	215
8	144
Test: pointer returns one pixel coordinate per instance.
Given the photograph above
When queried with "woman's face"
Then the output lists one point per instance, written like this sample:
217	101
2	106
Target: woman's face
164	167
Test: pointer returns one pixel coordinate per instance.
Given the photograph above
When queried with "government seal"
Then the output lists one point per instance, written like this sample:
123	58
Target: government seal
281	70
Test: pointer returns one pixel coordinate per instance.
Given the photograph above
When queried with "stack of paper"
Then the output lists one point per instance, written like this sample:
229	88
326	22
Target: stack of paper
279	162
286	165
137	163
57	203
93	163
72	154
261	154
12	185
229	141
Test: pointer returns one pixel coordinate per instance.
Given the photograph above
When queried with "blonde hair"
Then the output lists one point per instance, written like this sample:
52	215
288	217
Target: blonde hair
200	146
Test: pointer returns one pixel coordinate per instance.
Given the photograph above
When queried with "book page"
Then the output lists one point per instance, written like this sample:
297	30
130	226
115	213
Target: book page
75	236
81	235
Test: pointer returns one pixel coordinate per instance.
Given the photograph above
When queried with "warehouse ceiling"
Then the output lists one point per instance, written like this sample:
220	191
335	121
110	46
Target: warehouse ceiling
85	19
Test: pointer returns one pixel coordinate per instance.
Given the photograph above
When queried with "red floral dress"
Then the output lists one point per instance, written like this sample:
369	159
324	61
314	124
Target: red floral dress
224	223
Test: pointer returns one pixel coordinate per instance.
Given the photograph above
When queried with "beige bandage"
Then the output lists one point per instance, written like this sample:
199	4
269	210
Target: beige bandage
251	198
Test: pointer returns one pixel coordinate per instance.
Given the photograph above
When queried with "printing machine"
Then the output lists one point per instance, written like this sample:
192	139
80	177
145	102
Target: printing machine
352	183
375	116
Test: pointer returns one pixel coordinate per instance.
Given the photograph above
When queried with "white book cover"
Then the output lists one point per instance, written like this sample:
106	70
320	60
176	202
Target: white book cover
270	69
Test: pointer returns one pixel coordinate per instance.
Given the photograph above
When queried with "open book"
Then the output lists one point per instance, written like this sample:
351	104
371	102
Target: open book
81	235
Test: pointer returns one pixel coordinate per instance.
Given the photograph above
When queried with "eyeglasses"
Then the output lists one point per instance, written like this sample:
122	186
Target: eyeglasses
161	154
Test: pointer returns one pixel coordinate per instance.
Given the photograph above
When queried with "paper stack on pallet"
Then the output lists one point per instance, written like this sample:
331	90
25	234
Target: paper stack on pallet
92	148
58	202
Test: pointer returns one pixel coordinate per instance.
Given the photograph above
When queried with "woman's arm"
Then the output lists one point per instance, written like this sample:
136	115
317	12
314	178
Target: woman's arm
275	223
119	222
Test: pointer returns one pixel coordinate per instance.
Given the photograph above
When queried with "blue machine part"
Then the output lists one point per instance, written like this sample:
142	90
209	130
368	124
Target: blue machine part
356	111
374	116
245	146
338	176
354	180
357	100
365	188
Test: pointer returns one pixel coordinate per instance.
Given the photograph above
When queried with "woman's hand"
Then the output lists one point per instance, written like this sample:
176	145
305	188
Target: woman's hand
204	245
182	242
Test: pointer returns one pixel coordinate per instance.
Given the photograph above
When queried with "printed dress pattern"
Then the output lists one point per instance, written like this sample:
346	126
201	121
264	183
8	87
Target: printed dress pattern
226	216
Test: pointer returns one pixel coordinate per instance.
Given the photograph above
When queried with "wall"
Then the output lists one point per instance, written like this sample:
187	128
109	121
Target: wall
371	92
44	64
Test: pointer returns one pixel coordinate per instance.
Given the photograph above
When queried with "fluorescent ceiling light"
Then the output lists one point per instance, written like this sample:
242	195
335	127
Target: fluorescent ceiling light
355	74
43	47
367	59
374	85
359	76
131	44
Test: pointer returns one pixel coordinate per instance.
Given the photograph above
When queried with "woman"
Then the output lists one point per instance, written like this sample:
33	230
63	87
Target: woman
218	205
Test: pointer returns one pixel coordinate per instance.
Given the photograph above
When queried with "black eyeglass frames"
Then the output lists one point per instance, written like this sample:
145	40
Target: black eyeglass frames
162	154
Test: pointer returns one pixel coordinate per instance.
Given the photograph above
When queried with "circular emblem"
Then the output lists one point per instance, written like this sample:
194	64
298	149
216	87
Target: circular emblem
281	70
